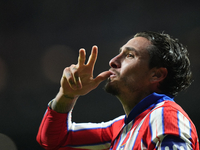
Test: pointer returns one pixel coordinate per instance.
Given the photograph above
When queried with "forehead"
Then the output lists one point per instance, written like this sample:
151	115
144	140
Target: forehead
137	43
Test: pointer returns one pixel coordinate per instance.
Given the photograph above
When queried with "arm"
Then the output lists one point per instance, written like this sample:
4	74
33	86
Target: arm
57	131
76	80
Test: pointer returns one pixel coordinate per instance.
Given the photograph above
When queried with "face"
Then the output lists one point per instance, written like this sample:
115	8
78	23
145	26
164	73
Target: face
130	71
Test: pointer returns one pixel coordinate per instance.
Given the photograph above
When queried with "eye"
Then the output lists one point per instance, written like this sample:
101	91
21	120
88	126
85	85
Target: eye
130	55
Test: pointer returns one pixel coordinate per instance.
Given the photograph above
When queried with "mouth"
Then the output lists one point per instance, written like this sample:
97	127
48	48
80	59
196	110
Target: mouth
113	74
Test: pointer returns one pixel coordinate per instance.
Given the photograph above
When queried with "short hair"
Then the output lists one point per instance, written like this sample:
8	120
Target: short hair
171	54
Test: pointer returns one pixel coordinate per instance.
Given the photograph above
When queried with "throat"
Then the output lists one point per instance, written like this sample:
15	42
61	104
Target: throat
130	101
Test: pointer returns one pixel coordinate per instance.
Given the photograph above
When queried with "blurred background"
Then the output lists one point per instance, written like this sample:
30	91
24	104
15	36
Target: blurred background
39	38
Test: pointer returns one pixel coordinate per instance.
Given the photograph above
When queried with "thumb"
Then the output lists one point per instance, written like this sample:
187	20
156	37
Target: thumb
101	77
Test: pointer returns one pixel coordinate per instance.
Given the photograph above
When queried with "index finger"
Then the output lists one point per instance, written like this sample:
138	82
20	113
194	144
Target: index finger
93	56
81	58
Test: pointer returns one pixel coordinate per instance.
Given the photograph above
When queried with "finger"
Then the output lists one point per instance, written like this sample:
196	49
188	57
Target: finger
101	77
93	56
82	57
70	79
75	74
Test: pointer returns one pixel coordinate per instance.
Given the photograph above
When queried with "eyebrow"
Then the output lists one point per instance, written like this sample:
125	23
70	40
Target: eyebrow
128	49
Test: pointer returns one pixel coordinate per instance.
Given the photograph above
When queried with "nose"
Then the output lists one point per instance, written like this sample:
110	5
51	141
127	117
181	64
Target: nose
115	62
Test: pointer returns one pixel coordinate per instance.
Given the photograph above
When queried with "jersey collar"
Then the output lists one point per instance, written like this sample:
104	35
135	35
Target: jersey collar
147	102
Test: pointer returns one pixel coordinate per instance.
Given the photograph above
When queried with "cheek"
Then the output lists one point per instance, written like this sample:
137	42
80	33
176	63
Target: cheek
128	75
134	74
127	67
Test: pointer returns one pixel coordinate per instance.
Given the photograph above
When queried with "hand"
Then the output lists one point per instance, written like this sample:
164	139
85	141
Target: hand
78	79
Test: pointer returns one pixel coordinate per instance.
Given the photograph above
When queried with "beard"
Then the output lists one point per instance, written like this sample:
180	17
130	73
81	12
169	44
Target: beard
111	88
117	88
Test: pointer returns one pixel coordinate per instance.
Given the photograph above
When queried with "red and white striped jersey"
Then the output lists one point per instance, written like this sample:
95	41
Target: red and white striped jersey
157	122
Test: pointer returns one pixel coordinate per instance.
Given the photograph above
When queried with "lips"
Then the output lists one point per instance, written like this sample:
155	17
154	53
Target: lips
113	74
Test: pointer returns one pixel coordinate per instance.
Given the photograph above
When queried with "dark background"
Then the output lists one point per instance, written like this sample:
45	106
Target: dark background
39	38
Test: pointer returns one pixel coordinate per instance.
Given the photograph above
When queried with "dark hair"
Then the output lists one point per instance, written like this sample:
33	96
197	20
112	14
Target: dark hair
171	54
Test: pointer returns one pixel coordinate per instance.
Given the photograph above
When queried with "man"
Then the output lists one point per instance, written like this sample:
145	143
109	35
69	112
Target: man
148	72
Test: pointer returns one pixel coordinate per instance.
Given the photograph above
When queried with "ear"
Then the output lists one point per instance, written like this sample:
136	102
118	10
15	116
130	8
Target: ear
158	74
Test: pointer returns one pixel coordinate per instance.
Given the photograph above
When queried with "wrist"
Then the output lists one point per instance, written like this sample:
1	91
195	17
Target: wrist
50	103
66	95
62	106
63	103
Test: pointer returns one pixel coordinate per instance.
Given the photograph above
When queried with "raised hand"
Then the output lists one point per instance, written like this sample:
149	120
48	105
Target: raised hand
78	80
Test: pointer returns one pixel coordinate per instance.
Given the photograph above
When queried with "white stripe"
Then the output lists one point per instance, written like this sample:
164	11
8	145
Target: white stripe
69	120
156	123
133	135
184	126
126	129
87	126
122	137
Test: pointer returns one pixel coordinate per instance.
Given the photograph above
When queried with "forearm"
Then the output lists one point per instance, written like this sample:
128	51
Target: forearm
63	103
52	129
57	126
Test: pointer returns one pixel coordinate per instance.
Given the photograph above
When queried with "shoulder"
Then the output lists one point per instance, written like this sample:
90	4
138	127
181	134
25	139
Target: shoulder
170	119
170	116
168	110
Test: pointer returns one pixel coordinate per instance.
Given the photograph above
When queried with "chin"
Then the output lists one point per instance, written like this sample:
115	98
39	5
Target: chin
111	88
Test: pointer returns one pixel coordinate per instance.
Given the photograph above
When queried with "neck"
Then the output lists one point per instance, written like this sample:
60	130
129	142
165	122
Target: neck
129	102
